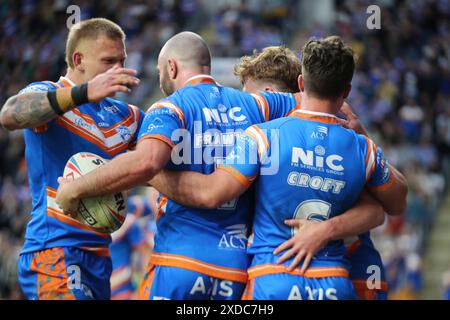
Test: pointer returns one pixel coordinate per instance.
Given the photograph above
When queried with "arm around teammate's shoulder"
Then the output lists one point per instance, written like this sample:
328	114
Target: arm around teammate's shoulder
384	181
393	197
195	189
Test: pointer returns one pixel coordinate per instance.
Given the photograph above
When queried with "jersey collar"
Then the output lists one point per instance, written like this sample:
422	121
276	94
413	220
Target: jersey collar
66	82
199	79
315	116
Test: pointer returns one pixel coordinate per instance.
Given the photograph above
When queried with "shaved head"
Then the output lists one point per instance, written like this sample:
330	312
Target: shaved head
188	48
184	55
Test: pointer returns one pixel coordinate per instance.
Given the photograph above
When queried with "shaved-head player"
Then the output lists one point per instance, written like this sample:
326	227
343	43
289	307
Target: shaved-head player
199	253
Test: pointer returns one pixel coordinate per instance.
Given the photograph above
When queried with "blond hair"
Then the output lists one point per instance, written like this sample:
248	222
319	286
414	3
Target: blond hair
91	29
278	65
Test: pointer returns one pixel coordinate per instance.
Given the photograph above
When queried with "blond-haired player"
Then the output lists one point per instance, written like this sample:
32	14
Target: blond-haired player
62	258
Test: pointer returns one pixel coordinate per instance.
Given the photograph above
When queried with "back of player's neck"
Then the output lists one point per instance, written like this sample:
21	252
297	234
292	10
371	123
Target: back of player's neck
319	105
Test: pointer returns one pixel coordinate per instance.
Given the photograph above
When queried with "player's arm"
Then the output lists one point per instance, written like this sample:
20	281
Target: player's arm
366	215
194	189
28	110
124	172
385	182
32	109
227	182
351	120
313	235
393	197
274	105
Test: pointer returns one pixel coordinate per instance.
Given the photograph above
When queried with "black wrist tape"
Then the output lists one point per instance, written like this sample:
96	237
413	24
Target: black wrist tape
79	94
51	96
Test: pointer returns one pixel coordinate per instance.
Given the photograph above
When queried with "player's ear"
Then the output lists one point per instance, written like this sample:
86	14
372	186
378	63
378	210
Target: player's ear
172	68
301	83
347	91
77	59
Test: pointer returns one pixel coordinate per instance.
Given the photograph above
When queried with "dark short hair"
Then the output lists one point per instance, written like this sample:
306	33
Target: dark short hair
327	67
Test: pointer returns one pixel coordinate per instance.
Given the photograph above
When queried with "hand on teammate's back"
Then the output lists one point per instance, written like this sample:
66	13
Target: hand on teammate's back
304	244
114	80
352	121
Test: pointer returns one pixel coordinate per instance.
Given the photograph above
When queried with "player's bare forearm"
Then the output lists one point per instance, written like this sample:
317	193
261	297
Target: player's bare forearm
179	186
364	216
194	189
32	109
393	199
124	171
113	177
26	110
189	188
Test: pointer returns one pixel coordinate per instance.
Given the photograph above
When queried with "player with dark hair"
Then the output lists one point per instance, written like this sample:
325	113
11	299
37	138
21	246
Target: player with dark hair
277	69
199	254
319	177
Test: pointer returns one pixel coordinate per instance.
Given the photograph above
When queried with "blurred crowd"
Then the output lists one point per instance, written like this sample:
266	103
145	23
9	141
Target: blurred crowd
401	92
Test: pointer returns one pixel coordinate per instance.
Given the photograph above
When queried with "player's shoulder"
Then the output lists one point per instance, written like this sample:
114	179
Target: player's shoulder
362	139
268	95
39	86
168	102
185	93
276	123
207	91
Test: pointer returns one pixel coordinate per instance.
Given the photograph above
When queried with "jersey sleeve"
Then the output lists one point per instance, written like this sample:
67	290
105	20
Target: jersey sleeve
378	173
161	121
274	105
42	86
244	161
139	119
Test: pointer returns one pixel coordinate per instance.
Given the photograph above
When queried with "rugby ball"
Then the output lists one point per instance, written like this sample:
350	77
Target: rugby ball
103	214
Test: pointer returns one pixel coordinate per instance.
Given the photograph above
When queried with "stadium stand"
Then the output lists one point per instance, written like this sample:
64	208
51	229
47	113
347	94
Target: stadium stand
401	92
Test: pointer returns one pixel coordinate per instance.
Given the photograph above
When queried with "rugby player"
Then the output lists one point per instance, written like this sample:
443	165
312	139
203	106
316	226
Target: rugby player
277	69
62	258
199	254
310	183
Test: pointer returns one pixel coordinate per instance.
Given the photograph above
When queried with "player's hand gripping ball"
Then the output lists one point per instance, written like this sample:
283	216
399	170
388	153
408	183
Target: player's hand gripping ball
103	214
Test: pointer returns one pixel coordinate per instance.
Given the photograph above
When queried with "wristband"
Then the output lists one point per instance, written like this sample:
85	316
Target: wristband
51	96
80	94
